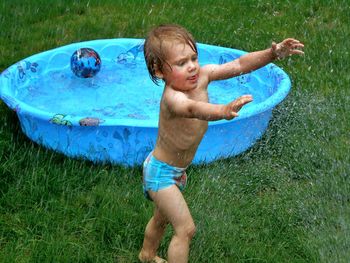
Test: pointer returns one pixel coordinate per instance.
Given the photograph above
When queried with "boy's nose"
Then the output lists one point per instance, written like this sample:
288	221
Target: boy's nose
191	66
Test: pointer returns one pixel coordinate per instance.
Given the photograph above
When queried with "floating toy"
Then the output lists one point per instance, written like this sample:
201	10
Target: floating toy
85	62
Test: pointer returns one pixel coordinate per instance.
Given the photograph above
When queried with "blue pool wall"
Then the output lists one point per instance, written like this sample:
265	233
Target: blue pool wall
130	141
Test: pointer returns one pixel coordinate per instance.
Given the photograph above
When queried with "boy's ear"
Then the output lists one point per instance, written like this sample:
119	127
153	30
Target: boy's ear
158	72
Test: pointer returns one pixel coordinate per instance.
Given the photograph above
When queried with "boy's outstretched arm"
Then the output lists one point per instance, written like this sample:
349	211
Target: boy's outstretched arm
254	60
187	108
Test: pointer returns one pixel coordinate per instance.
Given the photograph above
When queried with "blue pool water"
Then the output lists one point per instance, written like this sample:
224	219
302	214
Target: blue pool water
113	116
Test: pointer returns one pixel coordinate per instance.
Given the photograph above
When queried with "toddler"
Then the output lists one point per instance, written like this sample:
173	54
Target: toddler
171	56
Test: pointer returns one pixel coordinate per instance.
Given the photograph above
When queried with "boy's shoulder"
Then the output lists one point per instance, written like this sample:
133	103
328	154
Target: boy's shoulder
172	99
207	70
170	95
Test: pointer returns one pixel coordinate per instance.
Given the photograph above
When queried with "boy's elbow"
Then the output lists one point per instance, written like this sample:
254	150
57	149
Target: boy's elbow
238	68
199	112
185	111
232	69
190	111
195	110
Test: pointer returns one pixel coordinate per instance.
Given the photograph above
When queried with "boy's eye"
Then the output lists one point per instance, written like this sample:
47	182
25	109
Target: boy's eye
194	58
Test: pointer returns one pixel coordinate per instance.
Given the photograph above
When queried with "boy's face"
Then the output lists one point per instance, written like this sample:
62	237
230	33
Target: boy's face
183	72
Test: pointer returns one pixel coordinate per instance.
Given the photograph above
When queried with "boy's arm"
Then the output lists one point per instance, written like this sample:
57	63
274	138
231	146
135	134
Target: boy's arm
181	106
254	60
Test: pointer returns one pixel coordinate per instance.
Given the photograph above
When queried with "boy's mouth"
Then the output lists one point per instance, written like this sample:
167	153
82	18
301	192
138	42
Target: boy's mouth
193	78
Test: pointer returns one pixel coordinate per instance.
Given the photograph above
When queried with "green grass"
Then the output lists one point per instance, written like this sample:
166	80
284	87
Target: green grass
287	199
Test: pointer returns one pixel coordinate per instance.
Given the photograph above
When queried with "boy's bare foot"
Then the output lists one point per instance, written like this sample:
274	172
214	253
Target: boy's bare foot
156	259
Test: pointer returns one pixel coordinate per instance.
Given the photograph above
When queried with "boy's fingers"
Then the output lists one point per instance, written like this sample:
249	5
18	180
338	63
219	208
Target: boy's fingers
298	45
273	45
237	104
297	52
245	99
291	40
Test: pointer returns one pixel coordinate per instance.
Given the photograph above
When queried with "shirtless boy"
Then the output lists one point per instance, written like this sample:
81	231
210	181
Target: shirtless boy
171	56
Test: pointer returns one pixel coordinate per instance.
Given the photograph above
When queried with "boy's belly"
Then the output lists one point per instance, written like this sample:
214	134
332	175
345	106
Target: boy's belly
178	145
180	159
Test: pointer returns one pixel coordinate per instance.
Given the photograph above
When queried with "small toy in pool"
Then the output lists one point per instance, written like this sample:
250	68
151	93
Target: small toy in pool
85	63
90	121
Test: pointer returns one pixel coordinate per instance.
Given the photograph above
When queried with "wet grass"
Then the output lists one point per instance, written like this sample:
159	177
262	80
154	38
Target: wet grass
287	199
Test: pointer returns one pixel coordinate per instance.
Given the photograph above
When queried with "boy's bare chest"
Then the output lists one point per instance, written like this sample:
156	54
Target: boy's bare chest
200	94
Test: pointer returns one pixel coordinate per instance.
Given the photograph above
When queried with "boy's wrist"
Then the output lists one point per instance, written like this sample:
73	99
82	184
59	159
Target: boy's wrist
274	55
222	111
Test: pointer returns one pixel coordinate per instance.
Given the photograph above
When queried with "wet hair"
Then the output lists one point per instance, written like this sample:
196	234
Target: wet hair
155	51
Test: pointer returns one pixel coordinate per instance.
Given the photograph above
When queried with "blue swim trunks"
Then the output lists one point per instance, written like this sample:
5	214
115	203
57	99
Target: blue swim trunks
158	175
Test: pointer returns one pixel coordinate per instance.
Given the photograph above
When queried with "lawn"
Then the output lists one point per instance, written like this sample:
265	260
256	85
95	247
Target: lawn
287	199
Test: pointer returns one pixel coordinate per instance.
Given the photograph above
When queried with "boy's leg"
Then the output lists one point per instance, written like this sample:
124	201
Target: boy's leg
153	235
173	206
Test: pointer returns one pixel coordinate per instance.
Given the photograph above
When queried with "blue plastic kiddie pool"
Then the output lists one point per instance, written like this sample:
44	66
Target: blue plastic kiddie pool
113	115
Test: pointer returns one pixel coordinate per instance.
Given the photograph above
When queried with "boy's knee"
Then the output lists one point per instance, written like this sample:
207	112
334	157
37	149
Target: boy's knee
192	231
187	231
160	222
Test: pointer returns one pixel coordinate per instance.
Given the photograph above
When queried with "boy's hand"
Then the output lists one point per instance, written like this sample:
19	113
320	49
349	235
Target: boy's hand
287	47
231	109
